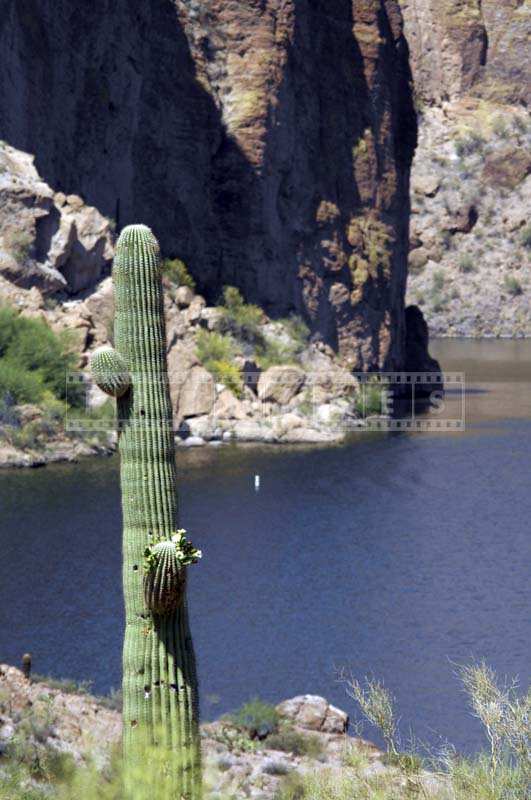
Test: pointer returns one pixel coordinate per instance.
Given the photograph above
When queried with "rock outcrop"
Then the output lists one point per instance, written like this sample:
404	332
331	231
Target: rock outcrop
470	234
267	143
48	240
310	739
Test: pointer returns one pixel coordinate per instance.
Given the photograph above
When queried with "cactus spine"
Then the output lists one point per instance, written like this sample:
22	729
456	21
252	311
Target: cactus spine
159	674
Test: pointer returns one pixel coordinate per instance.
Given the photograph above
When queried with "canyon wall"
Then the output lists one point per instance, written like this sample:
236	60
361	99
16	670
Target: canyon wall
267	143
469	266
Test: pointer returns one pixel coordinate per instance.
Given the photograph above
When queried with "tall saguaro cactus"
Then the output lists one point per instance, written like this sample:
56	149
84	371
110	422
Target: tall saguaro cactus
159	674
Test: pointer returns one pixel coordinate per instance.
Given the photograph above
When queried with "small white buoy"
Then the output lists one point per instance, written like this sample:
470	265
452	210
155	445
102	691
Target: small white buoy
257	482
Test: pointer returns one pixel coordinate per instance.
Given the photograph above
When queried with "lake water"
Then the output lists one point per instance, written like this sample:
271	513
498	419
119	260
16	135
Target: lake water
398	555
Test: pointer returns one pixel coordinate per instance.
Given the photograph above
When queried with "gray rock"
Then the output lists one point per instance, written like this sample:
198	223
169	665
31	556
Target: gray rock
183	296
197	393
251	431
227	406
280	384
193	441
314	713
55	244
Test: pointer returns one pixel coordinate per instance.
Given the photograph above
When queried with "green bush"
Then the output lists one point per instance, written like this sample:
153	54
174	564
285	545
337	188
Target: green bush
176	271
241	319
466	263
526	236
512	285
20	386
255	718
438	280
19	243
41	358
297	330
270	352
216	352
291	741
212	346
369	399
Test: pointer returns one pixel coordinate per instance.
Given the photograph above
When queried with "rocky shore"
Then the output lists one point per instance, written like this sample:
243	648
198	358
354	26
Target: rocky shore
311	737
310	397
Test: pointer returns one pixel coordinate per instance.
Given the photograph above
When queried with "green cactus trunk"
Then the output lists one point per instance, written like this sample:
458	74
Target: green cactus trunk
159	674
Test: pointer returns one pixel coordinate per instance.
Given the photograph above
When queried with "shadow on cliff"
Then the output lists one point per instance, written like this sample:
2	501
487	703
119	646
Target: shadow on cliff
112	108
317	139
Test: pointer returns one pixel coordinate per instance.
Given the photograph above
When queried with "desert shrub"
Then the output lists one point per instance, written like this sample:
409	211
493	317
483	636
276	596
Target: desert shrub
216	352
291	741
271	352
370	398
241	318
526	236
438	280
255	718
212	346
438	302
499	127
296	329
19	244
114	700
29	347
19	386
66	685
176	271
471	143
377	706
466	263
505	716
512	285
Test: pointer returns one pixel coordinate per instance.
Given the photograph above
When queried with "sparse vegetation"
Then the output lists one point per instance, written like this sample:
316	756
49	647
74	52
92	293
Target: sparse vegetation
295	742
34	360
297	330
256	719
512	285
270	352
467	263
526	236
35	767
176	271
19	244
216	351
471	142
241	319
370	399
438	280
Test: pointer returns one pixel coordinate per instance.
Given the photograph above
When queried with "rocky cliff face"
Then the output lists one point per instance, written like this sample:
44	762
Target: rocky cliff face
469	262
268	144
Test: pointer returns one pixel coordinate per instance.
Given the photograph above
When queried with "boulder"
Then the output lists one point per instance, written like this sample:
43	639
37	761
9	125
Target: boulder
280	384
227	406
426	184
82	247
197	393
211	318
418	259
251	431
99	309
306	435
194	312
314	713
51	241
286	423
183	296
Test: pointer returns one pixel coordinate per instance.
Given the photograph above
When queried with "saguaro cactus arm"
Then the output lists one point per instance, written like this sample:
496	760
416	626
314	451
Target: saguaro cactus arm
109	371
